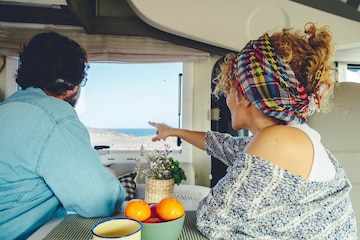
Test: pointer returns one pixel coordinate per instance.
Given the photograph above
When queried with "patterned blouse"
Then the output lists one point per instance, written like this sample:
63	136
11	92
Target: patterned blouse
258	200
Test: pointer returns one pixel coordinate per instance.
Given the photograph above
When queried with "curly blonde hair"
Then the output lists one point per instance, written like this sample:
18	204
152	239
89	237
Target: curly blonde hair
309	54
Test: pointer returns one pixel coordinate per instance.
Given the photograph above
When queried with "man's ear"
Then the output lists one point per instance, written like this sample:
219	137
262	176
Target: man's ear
67	94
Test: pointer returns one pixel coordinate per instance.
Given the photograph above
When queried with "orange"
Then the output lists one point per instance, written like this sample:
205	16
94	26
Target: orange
170	208
137	209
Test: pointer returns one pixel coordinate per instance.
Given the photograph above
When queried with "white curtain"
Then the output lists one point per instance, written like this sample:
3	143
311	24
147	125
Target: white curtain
129	49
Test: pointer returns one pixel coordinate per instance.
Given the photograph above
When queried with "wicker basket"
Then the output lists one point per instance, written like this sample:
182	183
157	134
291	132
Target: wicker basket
158	189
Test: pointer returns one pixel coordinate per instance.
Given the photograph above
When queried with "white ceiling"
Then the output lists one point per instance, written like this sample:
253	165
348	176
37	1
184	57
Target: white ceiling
45	2
233	29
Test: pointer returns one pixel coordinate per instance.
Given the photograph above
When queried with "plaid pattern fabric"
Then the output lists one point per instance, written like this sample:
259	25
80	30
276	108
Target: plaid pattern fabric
270	84
128	182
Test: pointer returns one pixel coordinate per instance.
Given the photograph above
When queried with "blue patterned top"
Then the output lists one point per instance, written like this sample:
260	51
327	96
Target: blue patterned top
258	200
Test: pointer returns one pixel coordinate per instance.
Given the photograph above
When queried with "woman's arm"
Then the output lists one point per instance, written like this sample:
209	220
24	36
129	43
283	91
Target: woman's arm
222	146
163	131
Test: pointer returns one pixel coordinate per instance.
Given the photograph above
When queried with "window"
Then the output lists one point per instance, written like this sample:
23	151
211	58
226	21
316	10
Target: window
353	73
99	102
348	72
118	100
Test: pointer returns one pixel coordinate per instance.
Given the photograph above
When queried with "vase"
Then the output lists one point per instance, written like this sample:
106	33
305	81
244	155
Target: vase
158	189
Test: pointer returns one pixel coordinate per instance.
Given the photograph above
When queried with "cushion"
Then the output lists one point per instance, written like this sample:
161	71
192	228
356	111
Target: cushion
128	182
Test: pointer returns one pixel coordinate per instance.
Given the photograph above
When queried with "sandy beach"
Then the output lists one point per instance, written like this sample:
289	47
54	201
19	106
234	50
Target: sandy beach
121	141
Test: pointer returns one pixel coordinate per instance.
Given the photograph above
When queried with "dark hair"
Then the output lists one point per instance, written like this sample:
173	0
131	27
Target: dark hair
51	62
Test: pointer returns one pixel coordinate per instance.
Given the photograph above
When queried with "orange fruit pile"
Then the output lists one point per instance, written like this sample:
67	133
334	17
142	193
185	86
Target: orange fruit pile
167	209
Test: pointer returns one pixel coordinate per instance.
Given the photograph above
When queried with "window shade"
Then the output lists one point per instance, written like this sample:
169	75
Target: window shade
131	49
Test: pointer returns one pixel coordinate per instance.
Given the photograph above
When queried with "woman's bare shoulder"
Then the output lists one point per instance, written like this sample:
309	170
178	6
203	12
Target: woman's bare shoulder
278	134
288	147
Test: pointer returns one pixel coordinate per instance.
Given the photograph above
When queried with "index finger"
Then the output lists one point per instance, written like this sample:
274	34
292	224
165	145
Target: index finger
154	124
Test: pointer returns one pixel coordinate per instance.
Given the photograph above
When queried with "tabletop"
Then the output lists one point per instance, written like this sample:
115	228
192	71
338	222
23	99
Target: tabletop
75	227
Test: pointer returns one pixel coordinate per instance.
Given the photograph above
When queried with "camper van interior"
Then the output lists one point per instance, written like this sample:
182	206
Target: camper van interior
171	48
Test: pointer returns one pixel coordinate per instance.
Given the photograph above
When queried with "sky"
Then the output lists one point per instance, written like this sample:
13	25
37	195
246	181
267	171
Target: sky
129	95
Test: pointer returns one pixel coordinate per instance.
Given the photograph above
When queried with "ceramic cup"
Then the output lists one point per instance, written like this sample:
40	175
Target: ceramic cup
117	228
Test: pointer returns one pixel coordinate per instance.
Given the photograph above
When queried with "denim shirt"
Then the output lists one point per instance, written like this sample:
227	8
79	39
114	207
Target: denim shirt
47	164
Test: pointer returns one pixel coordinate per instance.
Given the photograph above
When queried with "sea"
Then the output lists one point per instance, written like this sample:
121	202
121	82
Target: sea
138	132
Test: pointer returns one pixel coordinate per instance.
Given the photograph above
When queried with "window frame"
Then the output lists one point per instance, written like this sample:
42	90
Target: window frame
109	156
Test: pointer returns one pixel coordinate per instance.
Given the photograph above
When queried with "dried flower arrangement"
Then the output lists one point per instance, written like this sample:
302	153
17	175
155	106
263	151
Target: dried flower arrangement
160	166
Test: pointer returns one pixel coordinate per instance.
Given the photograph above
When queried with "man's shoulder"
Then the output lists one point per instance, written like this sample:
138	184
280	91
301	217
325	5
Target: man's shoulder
35	100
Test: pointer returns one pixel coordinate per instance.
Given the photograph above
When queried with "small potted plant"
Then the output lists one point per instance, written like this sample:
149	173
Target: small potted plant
161	173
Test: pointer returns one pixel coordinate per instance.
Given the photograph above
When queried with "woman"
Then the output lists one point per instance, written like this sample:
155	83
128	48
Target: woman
281	182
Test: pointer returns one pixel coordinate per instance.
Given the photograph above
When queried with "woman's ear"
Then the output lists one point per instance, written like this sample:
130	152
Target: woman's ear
246	102
240	99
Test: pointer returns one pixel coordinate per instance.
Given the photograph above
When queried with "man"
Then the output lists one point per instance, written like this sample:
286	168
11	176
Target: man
47	163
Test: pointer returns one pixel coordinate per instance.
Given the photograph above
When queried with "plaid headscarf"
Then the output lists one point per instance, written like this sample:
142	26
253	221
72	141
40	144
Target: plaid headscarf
270	84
